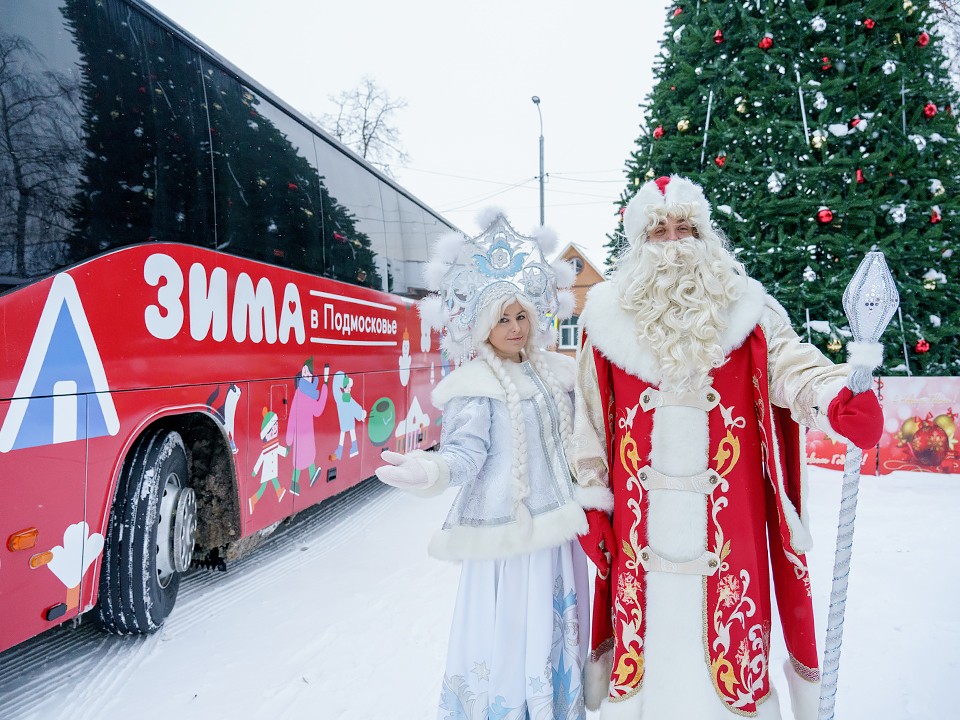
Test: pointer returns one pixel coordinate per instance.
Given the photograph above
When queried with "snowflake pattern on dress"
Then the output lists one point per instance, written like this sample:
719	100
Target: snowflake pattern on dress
555	694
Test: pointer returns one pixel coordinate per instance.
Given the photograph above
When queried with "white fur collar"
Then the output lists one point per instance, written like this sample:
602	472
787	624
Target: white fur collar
476	379
610	327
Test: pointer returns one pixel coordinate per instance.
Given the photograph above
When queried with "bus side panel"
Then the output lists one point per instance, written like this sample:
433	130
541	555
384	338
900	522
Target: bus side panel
265	490
429	368
42	489
421	429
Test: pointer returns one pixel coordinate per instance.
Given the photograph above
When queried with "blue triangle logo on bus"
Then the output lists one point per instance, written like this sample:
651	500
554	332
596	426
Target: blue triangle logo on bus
62	394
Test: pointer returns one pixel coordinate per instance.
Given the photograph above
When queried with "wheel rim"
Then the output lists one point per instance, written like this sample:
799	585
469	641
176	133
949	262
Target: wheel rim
176	529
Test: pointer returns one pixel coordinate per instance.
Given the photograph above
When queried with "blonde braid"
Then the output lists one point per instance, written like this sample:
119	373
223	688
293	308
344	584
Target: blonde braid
521	486
561	398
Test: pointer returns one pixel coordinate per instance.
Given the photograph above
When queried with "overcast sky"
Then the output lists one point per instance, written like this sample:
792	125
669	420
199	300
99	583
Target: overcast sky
467	72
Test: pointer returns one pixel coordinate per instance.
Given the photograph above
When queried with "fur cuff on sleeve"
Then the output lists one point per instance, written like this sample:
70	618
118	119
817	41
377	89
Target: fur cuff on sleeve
437	470
596	679
827	393
865	354
804	694
594	497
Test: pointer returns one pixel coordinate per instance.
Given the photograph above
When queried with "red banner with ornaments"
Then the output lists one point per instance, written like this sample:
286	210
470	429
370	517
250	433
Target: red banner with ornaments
919	433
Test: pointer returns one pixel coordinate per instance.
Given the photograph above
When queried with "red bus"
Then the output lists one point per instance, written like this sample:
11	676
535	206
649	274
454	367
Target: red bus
207	308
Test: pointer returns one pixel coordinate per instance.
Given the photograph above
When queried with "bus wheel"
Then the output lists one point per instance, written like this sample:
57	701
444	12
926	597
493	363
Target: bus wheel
150	539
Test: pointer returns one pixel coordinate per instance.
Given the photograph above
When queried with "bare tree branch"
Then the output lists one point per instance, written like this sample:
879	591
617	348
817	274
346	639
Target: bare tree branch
364	122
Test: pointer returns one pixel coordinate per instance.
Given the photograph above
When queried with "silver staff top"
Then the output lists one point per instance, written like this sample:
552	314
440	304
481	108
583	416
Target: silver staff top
870	299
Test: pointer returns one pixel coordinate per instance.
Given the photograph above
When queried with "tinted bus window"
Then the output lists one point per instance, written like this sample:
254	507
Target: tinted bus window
267	187
107	142
392	256
353	233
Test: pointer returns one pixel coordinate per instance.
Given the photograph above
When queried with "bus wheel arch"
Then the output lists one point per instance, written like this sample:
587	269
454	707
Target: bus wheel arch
176	499
213	476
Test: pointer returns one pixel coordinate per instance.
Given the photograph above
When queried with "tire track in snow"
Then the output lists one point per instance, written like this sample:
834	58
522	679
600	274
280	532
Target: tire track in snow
88	664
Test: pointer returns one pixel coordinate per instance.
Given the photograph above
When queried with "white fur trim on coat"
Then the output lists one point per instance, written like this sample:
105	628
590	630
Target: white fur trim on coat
594	497
596	679
804	694
800	538
611	329
477	379
526	534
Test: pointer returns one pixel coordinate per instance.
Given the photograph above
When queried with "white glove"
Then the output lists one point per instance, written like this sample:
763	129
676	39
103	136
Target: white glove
403	472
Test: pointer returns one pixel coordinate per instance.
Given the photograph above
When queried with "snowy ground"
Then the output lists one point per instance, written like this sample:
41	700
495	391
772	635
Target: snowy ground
342	616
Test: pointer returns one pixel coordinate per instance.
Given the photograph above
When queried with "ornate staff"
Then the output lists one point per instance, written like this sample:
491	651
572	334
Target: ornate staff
869	301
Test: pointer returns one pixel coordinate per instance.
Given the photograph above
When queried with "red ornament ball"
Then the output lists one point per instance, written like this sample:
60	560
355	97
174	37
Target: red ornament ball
677	11
766	42
860	178
930	444
658	132
826	63
720	160
854	121
929	109
824	215
869	23
923	39
935	217
922	346
718	36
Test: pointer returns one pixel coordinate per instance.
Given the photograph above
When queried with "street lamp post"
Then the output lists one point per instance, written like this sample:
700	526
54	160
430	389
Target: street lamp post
536	101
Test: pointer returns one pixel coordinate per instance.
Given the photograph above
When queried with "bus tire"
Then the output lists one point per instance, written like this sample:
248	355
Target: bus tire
150	537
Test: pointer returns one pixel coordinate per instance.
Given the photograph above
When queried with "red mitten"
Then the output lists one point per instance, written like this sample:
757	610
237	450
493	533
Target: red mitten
598	542
857	417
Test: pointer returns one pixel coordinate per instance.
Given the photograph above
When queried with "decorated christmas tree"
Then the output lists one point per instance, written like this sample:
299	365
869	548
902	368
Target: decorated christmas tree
820	131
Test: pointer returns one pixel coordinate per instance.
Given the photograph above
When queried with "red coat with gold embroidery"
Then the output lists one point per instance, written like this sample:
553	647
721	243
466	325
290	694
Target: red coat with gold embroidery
748	494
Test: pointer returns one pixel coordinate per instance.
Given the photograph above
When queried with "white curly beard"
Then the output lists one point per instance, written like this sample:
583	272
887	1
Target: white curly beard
679	292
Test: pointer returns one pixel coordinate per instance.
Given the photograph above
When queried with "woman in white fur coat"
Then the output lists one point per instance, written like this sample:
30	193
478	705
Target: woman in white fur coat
520	628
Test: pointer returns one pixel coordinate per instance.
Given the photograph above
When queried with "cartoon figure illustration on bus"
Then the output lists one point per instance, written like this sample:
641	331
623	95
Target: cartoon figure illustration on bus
411	431
309	400
70	561
349	412
227	411
405	359
269	460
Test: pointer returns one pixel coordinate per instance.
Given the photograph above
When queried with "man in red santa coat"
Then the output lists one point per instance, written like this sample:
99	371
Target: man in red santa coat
687	451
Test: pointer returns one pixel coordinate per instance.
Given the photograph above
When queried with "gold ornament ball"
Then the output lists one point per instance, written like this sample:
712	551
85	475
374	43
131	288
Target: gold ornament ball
683	125
929	284
818	141
947	424
650	174
939	191
742	108
909	429
834	345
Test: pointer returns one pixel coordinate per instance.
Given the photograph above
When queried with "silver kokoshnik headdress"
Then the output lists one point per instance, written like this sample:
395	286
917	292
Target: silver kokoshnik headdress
468	274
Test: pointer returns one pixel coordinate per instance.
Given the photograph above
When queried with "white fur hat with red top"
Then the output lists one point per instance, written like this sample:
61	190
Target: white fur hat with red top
673	195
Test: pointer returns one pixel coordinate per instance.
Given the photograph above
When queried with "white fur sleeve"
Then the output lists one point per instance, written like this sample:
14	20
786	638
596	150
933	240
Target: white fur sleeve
588	455
802	379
